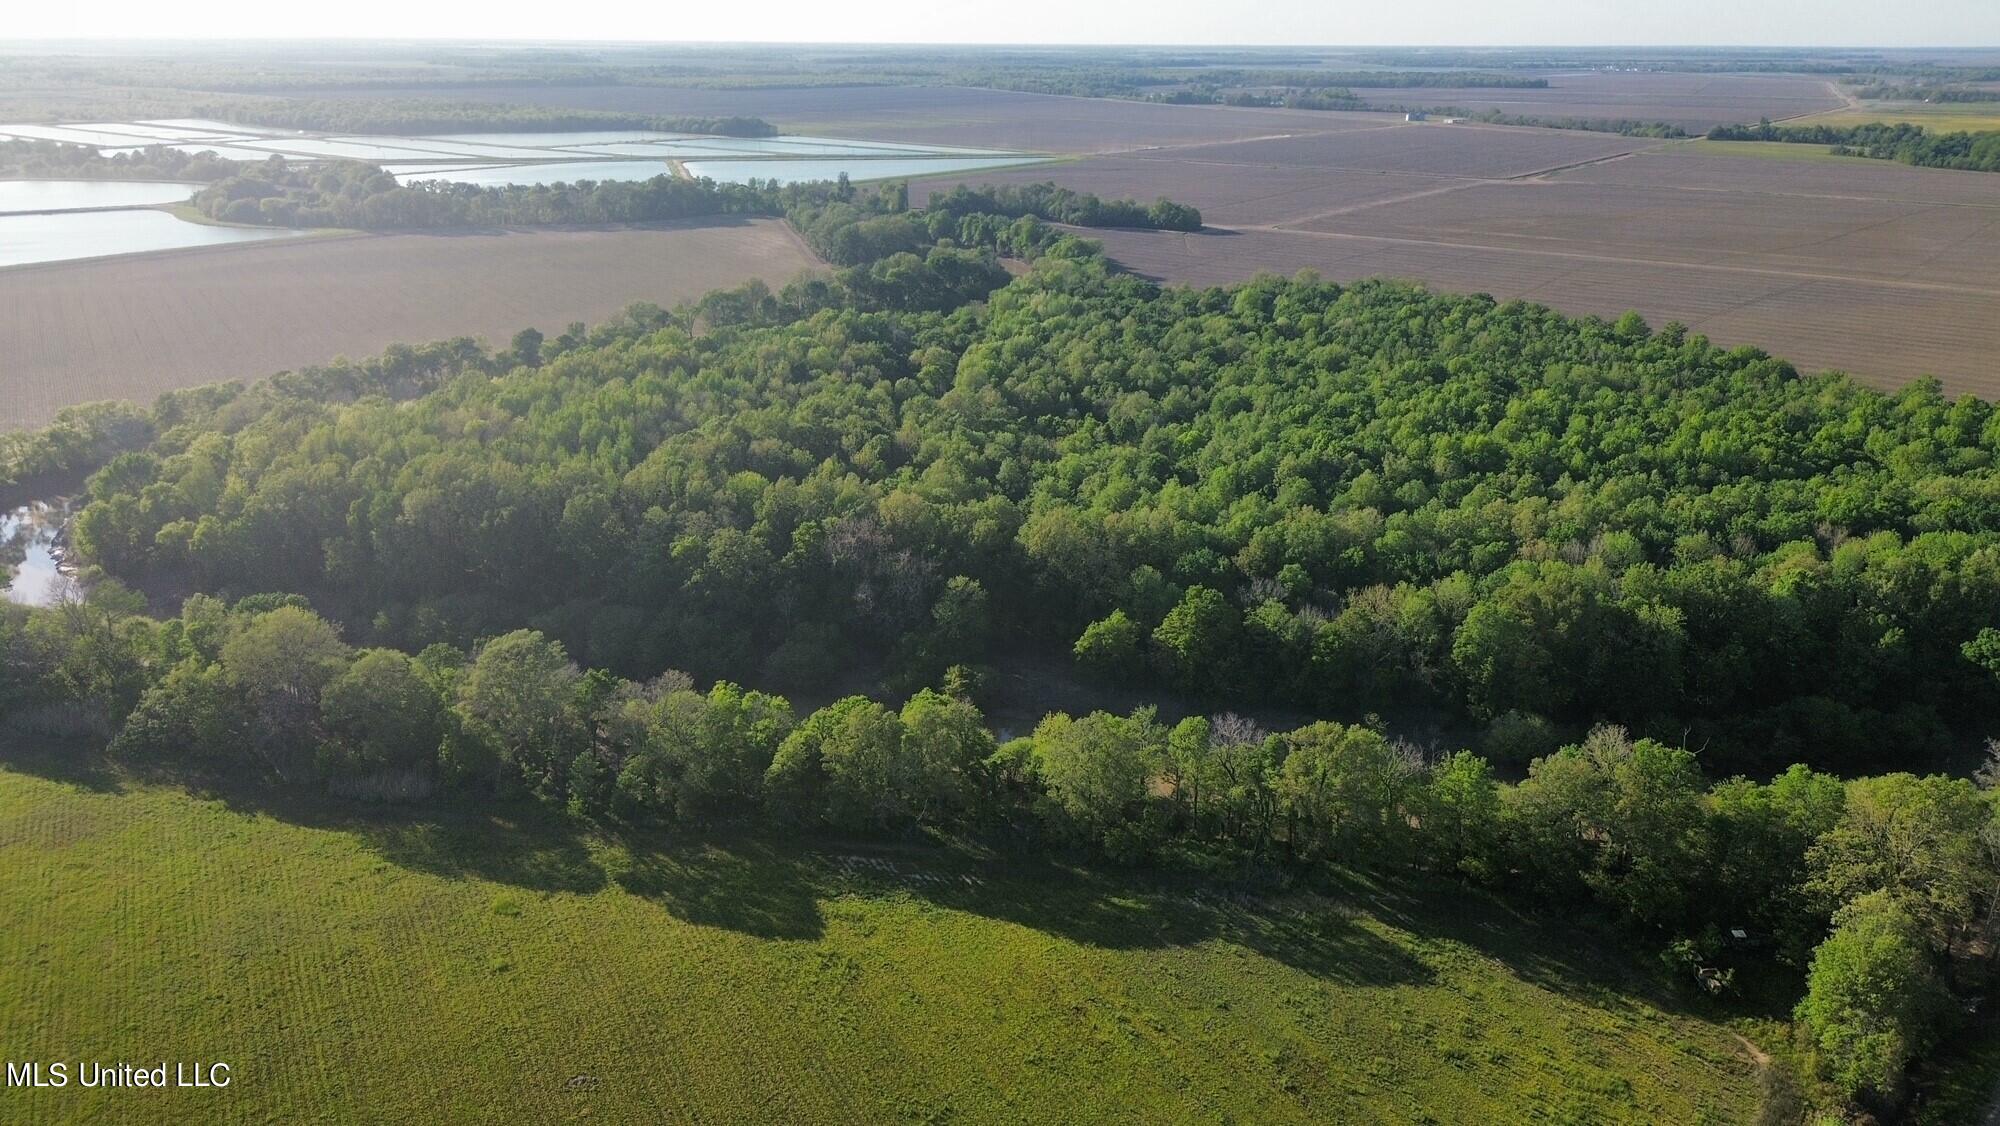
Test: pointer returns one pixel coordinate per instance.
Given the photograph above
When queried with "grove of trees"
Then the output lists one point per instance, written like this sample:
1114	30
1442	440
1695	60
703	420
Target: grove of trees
1329	497
283	193
53	159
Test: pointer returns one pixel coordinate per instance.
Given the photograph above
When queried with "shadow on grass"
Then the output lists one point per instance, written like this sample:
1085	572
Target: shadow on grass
77	763
745	885
1117	909
518	844
521	849
766	884
742	883
1575	953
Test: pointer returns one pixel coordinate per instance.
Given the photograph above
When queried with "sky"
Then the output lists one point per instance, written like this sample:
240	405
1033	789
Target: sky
1827	23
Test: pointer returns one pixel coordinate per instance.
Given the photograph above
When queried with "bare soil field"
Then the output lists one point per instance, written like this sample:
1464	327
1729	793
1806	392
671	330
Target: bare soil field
132	327
1702	167
1476	151
1287	180
1852	238
997	119
1695	102
1885	333
1883	270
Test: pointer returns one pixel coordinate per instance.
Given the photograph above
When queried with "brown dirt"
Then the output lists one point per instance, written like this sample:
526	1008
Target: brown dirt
133	327
1882	270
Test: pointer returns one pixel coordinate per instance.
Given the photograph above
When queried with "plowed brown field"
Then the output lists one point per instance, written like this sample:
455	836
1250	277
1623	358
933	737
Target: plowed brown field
133	327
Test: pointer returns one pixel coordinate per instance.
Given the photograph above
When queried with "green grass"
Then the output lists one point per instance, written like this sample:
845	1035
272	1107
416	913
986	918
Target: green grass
361	966
1942	117
1762	150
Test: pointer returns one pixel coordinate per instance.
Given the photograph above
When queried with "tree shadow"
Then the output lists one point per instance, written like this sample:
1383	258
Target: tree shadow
1119	910
740	884
498	848
74	762
759	882
518	844
1578	954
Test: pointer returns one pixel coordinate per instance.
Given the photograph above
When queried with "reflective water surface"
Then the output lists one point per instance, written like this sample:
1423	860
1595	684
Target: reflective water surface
93	234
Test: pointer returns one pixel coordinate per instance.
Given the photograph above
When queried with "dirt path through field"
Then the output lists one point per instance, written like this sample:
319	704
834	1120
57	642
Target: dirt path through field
1758	1055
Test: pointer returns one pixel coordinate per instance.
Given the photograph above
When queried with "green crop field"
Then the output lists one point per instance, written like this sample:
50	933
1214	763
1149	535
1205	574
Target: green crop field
1761	150
1941	117
449	969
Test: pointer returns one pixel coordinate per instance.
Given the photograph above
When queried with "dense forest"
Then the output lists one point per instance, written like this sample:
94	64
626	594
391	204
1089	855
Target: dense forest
1329	497
1876	894
1909	144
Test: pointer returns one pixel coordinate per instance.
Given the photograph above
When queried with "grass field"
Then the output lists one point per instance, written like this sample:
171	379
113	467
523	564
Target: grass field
461	967
1762	150
1943	117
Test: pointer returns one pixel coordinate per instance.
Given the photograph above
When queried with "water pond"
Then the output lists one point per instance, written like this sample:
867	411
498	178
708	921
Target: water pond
212	127
80	195
94	234
344	149
31	544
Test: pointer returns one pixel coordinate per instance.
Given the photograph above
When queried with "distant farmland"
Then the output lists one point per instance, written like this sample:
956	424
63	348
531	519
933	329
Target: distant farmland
130	328
1883	270
1000	119
362	964
1695	102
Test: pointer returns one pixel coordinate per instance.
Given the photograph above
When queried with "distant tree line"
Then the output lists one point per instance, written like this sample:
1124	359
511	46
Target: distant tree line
1062	205
1885	91
1623	126
1337	98
1209	85
1818	134
154	162
352	194
1903	142
283	193
1372	79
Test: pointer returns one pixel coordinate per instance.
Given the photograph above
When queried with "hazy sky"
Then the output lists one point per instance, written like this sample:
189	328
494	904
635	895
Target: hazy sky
1942	23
